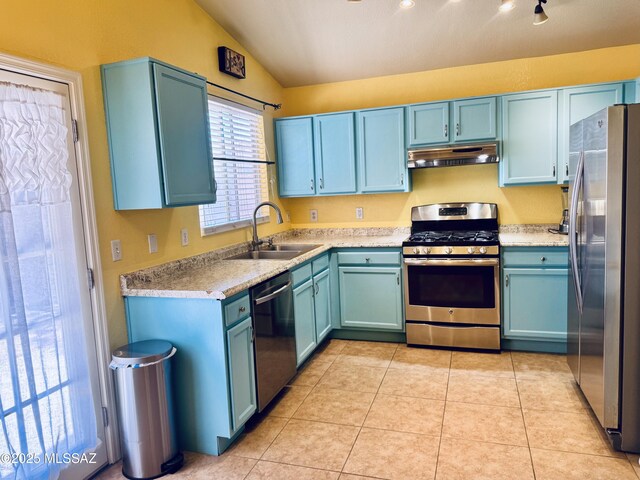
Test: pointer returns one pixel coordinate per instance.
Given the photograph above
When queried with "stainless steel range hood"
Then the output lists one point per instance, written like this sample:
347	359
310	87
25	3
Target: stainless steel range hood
431	157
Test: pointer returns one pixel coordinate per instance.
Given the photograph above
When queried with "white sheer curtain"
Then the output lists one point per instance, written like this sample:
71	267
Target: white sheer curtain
46	402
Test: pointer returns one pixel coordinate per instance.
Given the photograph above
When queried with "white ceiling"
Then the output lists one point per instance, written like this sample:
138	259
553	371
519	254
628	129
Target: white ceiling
303	42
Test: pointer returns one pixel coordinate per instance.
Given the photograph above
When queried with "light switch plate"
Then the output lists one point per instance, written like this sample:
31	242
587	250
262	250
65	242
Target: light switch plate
313	215
359	213
116	250
153	243
184	237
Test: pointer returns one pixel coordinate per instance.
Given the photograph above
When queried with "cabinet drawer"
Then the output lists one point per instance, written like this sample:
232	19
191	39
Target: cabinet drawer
320	264
536	257
300	275
368	258
237	310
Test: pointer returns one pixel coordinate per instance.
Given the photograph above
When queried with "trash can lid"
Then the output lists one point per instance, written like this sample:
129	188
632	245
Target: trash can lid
147	351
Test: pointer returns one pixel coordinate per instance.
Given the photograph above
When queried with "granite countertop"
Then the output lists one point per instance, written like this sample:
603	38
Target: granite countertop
531	236
211	275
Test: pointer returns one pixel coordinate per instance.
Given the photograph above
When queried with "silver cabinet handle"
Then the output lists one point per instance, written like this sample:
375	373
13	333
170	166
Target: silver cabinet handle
367	260
398	278
321	183
312	184
253	334
458	129
506	281
317	288
566	170
554	170
242	309
402	179
446	130
543	259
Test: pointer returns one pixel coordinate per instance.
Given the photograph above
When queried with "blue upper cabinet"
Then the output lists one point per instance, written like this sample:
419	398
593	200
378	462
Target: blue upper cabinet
335	153
578	104
530	138
428	123
294	140
474	119
159	138
381	151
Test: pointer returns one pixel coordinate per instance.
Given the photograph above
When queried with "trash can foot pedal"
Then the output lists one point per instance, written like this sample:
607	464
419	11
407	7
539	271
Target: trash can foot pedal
173	465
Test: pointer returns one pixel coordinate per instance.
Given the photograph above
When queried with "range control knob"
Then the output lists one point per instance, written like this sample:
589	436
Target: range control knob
416	251
483	250
448	250
471	250
426	250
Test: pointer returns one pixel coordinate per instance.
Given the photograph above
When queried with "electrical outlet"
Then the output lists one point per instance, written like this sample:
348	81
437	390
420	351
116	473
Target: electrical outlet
359	213
116	250
313	215
184	237
153	243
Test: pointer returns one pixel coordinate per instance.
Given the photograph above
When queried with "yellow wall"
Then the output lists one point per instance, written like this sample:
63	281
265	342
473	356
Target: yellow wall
82	34
473	183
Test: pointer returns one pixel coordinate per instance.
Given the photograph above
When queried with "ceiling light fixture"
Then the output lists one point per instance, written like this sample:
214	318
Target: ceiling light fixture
407	3
539	17
507	5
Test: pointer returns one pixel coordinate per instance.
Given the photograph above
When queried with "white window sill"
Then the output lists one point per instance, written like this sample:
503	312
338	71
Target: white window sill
227	227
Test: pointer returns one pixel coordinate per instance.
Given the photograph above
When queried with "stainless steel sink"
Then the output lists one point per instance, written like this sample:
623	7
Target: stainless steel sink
283	251
298	247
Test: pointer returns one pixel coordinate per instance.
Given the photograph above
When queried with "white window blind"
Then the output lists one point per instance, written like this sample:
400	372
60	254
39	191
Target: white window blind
239	163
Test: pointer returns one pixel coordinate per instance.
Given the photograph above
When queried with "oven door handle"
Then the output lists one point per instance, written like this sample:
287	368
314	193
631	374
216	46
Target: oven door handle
464	262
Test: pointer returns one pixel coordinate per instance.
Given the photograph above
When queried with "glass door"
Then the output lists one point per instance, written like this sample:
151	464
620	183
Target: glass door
50	412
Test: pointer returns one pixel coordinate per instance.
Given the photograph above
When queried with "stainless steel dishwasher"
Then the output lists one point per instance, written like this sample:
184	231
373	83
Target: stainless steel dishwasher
275	339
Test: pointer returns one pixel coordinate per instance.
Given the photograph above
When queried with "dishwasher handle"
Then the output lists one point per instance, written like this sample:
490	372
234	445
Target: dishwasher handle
271	296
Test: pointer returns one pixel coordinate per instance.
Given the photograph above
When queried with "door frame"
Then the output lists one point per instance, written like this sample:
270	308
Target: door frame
90	230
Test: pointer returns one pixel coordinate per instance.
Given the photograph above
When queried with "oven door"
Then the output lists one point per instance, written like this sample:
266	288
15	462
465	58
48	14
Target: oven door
447	290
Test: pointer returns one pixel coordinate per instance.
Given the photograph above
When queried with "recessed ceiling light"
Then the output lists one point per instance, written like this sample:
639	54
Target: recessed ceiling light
407	3
539	17
507	5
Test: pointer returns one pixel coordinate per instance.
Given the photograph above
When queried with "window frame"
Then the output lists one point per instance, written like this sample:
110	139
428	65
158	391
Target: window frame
244	223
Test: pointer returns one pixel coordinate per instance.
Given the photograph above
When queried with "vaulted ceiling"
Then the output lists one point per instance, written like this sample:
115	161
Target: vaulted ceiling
304	42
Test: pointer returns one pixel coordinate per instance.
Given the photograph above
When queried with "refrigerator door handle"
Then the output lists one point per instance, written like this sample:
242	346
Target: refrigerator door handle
573	244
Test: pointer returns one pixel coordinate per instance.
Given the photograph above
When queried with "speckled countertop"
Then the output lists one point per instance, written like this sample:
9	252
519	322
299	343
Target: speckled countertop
531	236
211	276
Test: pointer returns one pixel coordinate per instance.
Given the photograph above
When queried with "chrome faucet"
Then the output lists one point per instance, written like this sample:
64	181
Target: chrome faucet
255	242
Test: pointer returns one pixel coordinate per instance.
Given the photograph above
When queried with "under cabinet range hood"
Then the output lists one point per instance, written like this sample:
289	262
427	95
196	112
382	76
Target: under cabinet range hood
449	156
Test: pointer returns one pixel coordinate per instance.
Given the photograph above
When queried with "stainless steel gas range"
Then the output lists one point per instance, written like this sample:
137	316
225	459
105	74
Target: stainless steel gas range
451	275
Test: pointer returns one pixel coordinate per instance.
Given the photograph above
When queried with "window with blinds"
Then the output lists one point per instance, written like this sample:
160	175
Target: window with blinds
240	166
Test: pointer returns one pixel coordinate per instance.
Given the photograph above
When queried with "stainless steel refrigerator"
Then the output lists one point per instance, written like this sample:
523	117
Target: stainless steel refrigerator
604	284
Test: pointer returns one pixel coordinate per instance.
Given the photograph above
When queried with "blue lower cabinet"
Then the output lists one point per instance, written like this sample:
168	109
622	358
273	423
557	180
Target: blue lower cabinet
304	311
213	369
371	297
534	298
322	305
241	373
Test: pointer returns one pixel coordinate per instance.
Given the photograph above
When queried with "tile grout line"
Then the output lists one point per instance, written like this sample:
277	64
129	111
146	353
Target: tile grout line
444	412
524	423
365	417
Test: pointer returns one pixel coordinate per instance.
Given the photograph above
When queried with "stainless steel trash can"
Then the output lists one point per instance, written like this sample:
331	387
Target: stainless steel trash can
145	409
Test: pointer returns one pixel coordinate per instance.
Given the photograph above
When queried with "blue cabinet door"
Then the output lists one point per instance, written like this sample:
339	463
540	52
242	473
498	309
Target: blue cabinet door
184	137
535	303
530	138
578	104
428	123
381	151
322	305
371	297
294	145
474	119
335	153
242	375
304	312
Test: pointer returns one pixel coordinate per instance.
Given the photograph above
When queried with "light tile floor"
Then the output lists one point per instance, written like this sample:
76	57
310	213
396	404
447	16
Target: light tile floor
383	410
